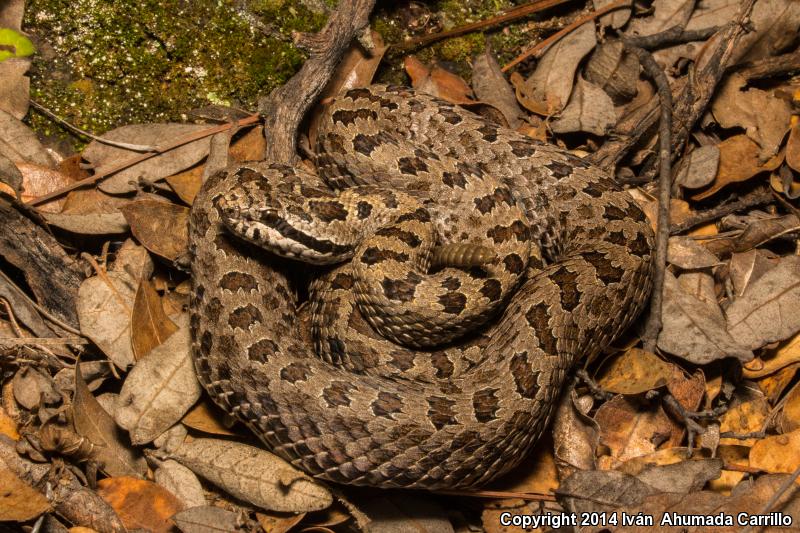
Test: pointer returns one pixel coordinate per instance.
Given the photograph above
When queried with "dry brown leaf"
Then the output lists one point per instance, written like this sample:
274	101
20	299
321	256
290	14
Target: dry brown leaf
253	475
576	436
90	224
104	312
549	87
689	392
695	329
688	254
777	454
187	184
134	260
728	479
181	482
699	168
666	14
774	25
790	416
104	156
274	522
18	501
763	230
492	87
666	456
764	117
33	388
589	109
747	414
208	418
332	516
161	227
783	181
614	70
616	19
38	180
767	310
86	201
633	372
630	426
160	388
438	82
113	454
207	519
401	513
738	161
139	503
8	425
774	384
793	146
14	86
150	326
774	360
20	144
745	268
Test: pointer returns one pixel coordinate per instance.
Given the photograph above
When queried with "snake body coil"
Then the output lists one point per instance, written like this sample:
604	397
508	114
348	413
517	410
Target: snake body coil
409	179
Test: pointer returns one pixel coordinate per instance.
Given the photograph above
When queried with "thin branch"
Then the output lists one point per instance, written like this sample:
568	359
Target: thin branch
286	106
752	199
75	129
503	17
142	157
653	325
672	36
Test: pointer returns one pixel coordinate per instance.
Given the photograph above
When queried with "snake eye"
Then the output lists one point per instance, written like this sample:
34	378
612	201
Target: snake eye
269	216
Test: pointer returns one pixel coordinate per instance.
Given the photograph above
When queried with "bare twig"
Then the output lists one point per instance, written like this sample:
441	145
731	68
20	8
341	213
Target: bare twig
501	18
286	106
75	129
142	157
494	494
540	47
653	326
672	36
753	198
771	66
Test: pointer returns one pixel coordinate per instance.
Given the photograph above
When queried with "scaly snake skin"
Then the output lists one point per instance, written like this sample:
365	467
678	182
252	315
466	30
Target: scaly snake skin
418	180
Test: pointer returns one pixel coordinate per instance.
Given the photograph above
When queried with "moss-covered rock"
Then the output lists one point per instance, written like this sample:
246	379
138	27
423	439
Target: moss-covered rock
104	63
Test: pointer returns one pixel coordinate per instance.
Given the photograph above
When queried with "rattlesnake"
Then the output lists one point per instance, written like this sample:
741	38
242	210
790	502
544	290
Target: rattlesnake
364	410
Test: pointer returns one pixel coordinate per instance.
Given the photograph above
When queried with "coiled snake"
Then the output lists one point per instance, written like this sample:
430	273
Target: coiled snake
436	354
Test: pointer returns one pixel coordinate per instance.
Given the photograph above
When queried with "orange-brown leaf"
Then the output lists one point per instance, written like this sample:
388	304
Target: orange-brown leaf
140	504
150	326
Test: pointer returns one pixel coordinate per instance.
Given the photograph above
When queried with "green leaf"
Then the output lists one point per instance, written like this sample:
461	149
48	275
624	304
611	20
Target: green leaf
20	46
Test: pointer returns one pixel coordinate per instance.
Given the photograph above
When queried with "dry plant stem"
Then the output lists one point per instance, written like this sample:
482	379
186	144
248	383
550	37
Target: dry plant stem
771	66
286	106
674	35
252	119
506	16
540	47
751	199
692	102
785	486
653	325
72	127
495	494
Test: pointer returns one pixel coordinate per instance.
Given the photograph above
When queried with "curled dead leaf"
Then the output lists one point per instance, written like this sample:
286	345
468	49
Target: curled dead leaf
253	475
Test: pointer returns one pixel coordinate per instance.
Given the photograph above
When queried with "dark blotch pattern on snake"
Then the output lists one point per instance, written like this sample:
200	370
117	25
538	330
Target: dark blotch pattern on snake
534	245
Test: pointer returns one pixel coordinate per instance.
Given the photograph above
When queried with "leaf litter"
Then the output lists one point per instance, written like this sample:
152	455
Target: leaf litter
707	422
